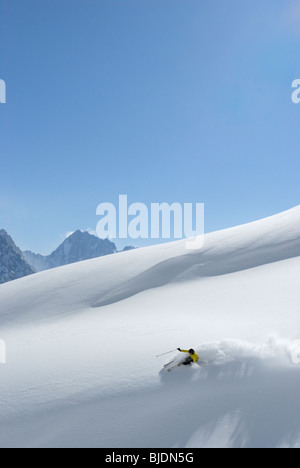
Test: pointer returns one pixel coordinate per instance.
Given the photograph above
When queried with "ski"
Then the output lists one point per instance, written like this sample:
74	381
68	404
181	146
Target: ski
174	367
168	363
200	364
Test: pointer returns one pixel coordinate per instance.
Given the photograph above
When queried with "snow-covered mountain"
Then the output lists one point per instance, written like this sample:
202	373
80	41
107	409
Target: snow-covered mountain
12	262
82	342
77	247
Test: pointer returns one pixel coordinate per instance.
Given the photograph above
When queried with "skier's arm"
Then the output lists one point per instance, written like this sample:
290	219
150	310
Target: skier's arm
183	350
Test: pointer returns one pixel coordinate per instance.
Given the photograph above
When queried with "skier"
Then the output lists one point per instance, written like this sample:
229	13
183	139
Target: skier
192	357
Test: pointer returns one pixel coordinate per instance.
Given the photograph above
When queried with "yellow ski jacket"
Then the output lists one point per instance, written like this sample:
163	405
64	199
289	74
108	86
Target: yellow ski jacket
194	356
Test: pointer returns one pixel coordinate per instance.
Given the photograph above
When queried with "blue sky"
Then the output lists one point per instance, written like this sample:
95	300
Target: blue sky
165	101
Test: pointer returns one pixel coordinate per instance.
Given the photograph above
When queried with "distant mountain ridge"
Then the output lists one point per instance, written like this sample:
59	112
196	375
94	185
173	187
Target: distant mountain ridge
77	247
12	262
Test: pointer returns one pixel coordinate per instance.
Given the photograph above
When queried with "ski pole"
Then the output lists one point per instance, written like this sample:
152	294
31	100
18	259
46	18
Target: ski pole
168	352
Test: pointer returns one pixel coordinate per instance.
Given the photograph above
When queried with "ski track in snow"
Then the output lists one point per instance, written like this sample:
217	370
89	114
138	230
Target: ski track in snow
82	339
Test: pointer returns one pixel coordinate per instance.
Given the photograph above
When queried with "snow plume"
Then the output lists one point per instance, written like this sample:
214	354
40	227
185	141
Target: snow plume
283	351
275	351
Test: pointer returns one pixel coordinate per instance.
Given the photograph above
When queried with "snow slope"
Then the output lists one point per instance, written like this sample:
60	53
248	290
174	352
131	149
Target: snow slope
82	339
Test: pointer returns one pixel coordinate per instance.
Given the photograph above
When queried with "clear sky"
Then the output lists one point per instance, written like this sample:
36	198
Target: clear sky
162	100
